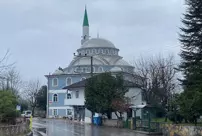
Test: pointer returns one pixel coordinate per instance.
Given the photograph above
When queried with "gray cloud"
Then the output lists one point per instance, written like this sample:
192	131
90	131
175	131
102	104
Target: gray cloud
43	34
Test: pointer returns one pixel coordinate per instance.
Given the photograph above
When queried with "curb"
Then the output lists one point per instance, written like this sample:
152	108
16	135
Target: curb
30	134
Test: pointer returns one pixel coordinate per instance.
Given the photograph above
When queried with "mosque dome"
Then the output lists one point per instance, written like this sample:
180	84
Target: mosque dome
98	43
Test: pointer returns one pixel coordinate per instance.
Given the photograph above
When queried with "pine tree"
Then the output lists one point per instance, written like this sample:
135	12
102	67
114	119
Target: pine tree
191	40
191	65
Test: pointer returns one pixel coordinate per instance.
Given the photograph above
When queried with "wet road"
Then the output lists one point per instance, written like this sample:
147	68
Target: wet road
65	128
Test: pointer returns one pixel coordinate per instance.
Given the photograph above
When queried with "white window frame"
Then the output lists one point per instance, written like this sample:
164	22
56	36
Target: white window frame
56	112
69	110
67	79
53	98
53	81
67	95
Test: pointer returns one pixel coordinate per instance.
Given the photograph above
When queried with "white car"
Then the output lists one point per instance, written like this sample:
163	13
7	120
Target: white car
26	114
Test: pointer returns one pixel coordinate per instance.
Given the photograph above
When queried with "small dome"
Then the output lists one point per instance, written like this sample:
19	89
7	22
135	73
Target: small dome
98	42
122	63
116	69
58	72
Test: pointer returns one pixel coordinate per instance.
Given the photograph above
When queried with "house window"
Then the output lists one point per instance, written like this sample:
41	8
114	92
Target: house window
55	112
69	96
69	112
55	98
77	94
55	82
69	81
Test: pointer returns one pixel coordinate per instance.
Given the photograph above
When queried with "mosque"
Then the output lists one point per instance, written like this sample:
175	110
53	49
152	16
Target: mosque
66	85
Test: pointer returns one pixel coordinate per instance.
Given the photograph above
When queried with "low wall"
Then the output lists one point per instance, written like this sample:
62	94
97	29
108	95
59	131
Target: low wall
14	130
179	130
113	123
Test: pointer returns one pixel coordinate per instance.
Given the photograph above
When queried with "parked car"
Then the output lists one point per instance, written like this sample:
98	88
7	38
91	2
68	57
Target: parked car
26	114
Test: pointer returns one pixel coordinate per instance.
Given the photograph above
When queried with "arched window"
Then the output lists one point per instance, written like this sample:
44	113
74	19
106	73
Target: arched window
55	82
93	69
100	69
55	98
83	78
107	50
87	51
84	70
94	51
97	51
69	81
112	52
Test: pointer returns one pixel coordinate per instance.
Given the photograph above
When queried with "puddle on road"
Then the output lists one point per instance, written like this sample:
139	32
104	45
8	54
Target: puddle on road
38	130
42	130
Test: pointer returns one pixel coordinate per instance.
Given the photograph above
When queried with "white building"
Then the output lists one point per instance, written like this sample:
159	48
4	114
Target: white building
62	102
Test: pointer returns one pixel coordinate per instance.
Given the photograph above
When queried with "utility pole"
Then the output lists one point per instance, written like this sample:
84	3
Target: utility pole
91	62
91	72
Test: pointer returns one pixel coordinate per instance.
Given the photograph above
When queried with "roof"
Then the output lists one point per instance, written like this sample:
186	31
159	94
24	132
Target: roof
85	19
82	83
98	43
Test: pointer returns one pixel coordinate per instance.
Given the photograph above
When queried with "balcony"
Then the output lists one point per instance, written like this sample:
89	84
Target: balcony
72	102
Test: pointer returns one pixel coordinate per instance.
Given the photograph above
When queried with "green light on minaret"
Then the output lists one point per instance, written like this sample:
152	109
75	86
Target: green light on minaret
85	19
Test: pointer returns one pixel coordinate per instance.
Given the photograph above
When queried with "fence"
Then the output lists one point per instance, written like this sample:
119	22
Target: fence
148	126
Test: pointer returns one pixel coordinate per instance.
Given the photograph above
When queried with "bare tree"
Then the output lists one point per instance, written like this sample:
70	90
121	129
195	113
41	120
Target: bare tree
158	79
11	80
30	93
4	63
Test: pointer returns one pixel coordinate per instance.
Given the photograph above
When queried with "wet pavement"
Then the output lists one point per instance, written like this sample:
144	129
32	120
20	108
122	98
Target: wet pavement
50	127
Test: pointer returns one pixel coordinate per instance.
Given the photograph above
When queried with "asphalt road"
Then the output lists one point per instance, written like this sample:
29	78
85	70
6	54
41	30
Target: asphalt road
64	128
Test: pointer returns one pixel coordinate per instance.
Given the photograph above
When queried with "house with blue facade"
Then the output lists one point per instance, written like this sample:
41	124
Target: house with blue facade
66	85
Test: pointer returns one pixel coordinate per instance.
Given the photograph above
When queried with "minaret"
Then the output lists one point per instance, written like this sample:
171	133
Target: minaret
85	35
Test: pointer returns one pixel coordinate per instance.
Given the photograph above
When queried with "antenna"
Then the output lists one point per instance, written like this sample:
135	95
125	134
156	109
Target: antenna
98	34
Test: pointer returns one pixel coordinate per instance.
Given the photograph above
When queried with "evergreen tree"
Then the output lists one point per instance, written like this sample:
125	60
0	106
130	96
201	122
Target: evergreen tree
191	54
102	90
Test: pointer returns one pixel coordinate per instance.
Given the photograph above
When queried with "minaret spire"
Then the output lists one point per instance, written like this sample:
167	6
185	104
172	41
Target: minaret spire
85	19
85	35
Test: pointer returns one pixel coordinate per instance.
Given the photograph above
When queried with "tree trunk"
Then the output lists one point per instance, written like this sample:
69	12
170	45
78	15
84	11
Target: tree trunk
33	109
92	117
109	115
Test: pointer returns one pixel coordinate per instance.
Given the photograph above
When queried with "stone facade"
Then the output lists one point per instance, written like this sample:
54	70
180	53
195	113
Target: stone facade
180	130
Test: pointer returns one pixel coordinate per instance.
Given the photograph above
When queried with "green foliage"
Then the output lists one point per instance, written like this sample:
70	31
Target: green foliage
101	90
8	104
42	98
191	65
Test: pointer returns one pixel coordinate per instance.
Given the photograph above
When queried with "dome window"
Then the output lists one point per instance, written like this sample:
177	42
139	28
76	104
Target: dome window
97	51
87	51
94	51
83	78
100	69
107	51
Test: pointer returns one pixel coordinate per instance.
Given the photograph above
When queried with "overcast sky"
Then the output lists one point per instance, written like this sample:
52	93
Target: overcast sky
43	34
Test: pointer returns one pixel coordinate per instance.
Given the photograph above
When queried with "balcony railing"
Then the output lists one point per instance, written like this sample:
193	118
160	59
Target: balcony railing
72	102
